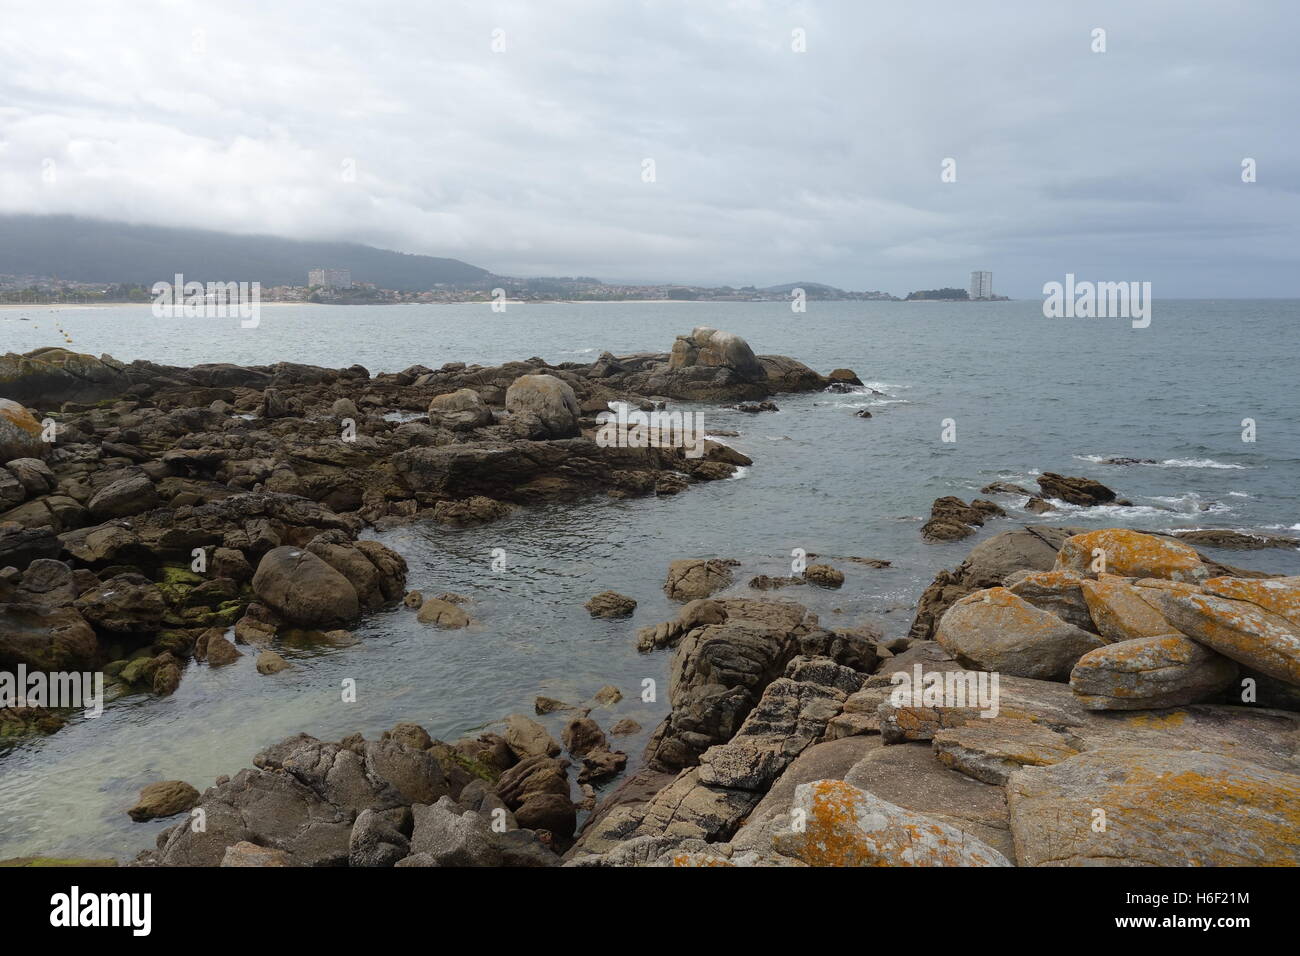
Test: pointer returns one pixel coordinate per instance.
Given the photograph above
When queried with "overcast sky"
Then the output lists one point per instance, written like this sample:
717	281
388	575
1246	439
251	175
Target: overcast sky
399	125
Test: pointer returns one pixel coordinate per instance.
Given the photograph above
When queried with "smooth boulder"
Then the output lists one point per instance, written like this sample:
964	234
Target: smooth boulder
1146	673
305	590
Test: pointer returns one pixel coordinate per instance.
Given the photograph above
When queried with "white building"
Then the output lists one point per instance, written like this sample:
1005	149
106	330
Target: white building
981	285
330	278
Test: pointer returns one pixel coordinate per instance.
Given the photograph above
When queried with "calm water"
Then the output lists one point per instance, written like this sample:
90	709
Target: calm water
1027	394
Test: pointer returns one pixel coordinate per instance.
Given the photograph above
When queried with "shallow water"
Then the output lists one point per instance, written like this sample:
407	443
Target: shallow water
1028	394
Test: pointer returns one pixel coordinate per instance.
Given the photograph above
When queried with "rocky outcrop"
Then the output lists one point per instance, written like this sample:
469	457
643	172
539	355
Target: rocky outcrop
692	579
1075	491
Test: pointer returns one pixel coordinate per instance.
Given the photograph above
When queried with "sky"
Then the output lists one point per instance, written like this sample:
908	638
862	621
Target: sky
745	142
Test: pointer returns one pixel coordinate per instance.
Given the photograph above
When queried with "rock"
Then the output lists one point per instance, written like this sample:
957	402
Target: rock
220	652
1146	673
124	497
549	705
711	348
1005	488
1058	592
527	738
1235	540
477	509
126	603
547	398
610	604
305	590
461	410
164	799
1280	596
344	408
447	835
601	765
1075	491
244	853
845	826
442	614
1131	554
33	475
990	750
20	433
1244	632
693	578
1119	611
607	696
531	777
994	630
548	811
625	727
380	837
1037	506
231	563
269	662
845	376
1162	808
582	735
823	575
862	413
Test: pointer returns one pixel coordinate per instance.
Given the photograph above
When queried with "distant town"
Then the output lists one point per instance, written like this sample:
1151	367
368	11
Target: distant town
334	286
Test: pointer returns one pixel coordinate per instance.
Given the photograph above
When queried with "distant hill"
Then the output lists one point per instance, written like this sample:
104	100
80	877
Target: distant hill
91	250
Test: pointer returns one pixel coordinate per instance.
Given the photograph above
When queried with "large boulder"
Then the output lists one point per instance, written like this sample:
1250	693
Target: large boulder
125	604
1118	610
126	496
1131	554
1157	808
549	399
20	433
46	639
305	590
1245	632
841	825
460	410
993	630
1146	673
715	349
1280	596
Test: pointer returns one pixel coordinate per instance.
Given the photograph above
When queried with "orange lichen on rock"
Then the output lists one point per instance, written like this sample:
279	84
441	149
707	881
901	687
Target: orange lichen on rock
1119	611
1131	554
836	824
1240	630
1281	596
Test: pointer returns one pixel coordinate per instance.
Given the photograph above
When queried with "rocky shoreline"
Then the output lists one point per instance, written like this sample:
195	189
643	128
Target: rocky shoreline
184	514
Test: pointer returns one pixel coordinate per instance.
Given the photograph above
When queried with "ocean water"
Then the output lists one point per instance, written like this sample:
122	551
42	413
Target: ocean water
1026	394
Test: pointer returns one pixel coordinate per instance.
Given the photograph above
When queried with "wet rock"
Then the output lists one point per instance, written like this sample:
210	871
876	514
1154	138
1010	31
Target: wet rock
1166	670
220	651
994	630
269	662
694	578
164	799
583	735
607	696
305	590
823	575
1075	491
625	727
527	738
1235	540
610	604
1162	808
442	614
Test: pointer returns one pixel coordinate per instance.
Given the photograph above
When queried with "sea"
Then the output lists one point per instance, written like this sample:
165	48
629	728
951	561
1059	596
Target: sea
1018	394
